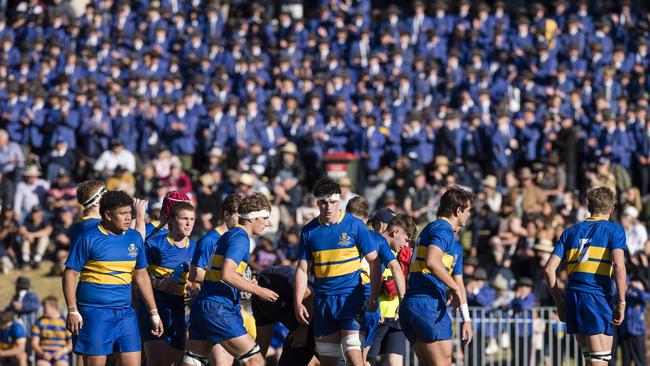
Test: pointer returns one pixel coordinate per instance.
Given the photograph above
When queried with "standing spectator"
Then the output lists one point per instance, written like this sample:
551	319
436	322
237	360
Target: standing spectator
24	303
13	340
35	233
51	342
178	180
30	193
632	332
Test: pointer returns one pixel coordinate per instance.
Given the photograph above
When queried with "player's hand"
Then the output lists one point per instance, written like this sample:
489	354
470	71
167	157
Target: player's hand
298	338
74	322
140	209
157	326
619	314
372	305
267	295
56	355
455	299
302	315
168	285
467	333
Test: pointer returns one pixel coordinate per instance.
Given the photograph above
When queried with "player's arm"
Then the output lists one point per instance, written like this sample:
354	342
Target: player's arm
551	279
36	344
620	278
74	320
232	278
16	350
467	332
197	274
140	213
375	280
300	290
143	282
398	277
434	264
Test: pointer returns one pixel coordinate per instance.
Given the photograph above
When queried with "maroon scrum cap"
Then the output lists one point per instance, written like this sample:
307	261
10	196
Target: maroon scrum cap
172	198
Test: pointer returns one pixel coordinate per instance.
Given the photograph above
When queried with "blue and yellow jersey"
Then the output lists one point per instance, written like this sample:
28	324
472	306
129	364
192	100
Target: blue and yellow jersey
421	281
164	257
106	263
586	247
51	333
82	225
335	252
233	245
205	247
12	335
151	226
385	256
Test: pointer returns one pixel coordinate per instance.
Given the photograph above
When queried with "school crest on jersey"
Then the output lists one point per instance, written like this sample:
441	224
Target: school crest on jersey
133	251
344	239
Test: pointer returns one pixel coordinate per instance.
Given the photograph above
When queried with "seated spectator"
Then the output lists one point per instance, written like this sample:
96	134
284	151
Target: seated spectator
163	163
602	177
633	330
51	342
636	233
8	235
63	191
288	249
61	237
264	256
117	156
419	200
208	199
30	193
24	303
307	211
121	180
178	180
527	198
287	191
145	183
13	340
60	158
35	233
12	159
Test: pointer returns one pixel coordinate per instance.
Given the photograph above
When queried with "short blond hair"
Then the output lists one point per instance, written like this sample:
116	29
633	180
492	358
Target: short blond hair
87	190
600	200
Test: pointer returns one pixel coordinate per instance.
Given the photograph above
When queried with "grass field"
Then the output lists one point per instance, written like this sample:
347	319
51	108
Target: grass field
42	284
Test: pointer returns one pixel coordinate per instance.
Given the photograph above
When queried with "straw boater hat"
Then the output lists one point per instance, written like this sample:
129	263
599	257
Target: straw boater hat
32	171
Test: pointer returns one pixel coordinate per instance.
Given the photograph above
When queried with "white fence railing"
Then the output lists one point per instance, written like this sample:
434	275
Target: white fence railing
530	337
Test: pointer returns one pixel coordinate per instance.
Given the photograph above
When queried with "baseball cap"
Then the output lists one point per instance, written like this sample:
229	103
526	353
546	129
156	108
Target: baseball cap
384	215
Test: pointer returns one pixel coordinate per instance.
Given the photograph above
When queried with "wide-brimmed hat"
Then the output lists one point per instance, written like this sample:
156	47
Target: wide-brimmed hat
544	245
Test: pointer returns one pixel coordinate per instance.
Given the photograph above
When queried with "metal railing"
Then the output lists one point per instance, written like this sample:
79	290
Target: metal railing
525	337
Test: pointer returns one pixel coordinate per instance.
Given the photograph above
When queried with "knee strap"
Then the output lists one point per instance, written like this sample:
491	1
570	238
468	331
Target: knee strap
252	352
603	356
352	342
329	349
194	359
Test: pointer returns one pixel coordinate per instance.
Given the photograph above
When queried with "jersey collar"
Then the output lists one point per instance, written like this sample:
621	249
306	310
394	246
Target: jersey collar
341	216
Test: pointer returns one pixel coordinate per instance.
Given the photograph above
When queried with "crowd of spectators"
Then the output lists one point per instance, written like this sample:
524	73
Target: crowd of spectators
528	107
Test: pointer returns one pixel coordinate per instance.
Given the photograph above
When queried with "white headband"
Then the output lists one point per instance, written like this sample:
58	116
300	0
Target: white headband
255	214
96	197
330	198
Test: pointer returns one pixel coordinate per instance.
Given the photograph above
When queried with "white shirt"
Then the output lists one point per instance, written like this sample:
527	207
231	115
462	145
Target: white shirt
636	236
108	160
